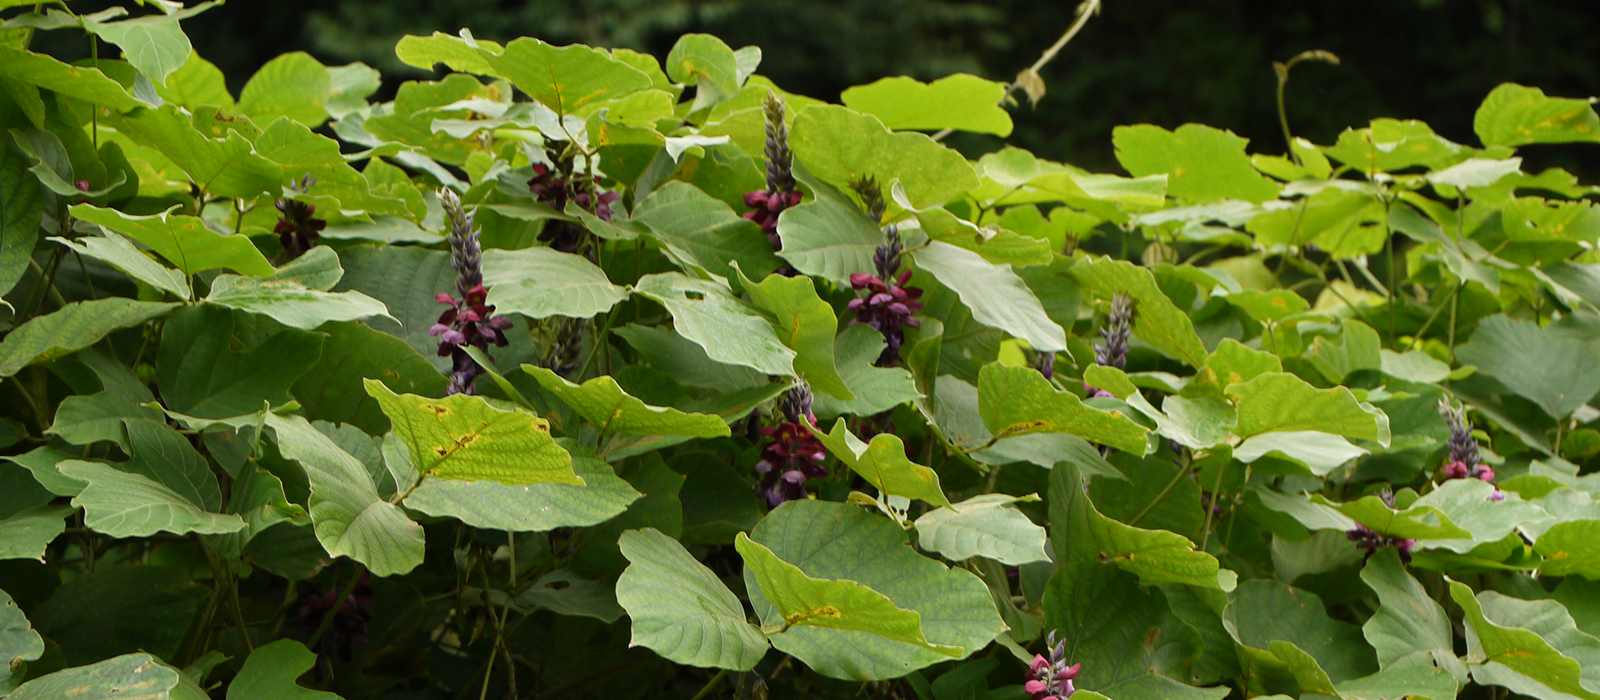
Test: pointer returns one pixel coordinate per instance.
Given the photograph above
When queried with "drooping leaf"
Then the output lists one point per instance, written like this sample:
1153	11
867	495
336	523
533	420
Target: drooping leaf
137	675
612	410
296	295
1409	630
527	508
961	102
541	282
806	324
154	43
1514	115
1018	401
833	541
1320	453
463	438
1279	402
123	504
839	146
72	328
83	82
705	231
996	296
200	374
226	165
566	79
883	464
707	313
983	526
1156	320
680	609
21	210
184	241
115	250
1514	658
270	672
877	389
828	236
1557	373
1202	164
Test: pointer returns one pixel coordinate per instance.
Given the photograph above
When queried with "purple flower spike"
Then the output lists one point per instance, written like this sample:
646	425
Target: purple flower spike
470	320
1051	677
794	454
889	305
1464	459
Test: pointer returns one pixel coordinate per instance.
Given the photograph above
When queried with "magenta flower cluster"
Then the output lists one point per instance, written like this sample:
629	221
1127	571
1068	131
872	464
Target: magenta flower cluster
792	454
1464	462
297	228
888	305
1050	678
470	320
1368	539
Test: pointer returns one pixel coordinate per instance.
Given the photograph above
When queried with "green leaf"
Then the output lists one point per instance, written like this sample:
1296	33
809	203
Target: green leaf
200	374
226	166
709	64
331	390
1203	164
1417	522
705	231
21	211
840	146
1514	115
270	671
877	389
1156	320
257	497
1556	372
83	82
129	676
828	236
115	250
834	604
996	296
293	85
72	328
458	53
1435	683
300	152
463	438
1514	658
1345	223
834	541
528	508
295	295
1409	630
883	464
680	609
196	83
348	516
541	282
1390	145
984	526
26	533
686	362
1358	348
1569	548
1320	453
1130	645
806	324
19	644
997	246
962	102
184	241
1467	504
1018	401
707	313
565	79
1282	402
120	609
612	410
1270	305
154	44
122	504
1261	613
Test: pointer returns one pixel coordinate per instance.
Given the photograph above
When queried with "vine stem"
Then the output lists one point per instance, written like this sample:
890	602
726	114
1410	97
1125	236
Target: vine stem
711	684
1086	10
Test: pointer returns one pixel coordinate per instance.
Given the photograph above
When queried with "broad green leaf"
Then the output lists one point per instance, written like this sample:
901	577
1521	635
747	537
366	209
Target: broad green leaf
348	516
1557	373
138	675
835	604
1538	220
184	241
883	464
1514	115
1282	402
707	313
1389	145
21	211
705	231
565	593
680	609
300	152
686	362
1270	305
256	497
115	250
996	296
72	328
1475	172
1413	366
839	146
612	410
984	526
709	64
226	166
1232	363
834	541
961	102
295	295
332	391
123	504
1569	548
458	53
1514	658
1156	320
1130	645
1261	613
1409	630
26	533
1018	400
541	282
1407	220
565	79
120	609
1358	348
1468	504
196	83
1417	522
463	438
1156	556
1415	681
997	246
82	82
293	85
806	324
528	508
154	44
877	389
829	236
270	672
201	374
1202	164
1320	453
19	644
1343	222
